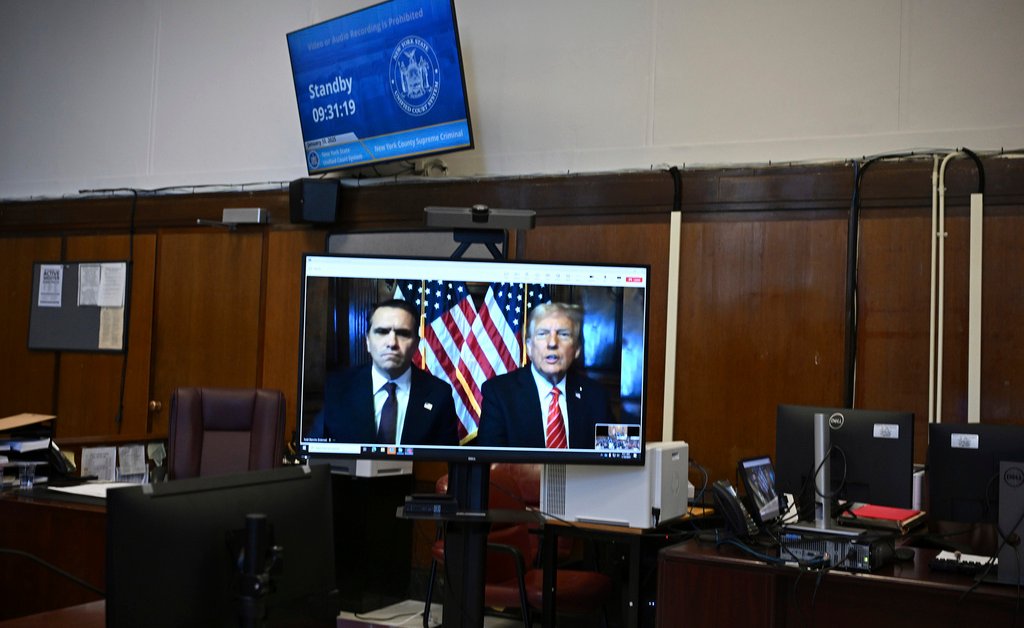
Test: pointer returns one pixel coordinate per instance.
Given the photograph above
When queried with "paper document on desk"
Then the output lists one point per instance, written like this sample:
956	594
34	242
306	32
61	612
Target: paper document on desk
91	489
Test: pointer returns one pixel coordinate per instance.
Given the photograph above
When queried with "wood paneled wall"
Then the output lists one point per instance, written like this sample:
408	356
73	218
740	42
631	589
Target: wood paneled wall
762	299
760	311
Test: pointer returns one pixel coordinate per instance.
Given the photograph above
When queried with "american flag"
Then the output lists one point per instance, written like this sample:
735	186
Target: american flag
465	346
502	322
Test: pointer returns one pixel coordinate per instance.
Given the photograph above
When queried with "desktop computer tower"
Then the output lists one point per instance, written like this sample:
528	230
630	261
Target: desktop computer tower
1011	522
635	497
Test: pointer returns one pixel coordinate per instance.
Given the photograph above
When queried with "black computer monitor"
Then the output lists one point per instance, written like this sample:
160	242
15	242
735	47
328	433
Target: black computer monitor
872	456
176	551
963	469
471	325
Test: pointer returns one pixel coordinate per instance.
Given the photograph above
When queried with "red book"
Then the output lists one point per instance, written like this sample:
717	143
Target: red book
882	517
885	512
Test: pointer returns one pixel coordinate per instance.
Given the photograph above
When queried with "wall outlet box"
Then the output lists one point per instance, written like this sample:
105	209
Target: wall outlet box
244	216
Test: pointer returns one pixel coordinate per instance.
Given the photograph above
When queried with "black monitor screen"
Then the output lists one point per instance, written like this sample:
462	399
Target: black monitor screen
175	550
963	469
471	383
872	457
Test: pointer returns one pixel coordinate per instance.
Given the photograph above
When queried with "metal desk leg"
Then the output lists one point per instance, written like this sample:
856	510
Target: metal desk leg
548	563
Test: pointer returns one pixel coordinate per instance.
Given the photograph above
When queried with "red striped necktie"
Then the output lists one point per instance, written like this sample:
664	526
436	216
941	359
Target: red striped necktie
556	425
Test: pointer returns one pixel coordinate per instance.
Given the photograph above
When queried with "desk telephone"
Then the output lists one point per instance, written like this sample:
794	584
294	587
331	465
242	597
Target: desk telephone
737	518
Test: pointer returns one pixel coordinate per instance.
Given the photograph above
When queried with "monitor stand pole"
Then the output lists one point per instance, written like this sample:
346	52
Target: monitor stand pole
465	545
465	538
823	522
258	558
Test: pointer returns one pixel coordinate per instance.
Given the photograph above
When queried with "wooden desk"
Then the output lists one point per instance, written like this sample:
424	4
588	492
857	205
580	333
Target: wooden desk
701	586
641	547
72	535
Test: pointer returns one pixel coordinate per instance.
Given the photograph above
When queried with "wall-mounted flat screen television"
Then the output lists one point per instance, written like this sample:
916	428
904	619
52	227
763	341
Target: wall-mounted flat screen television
382	84
491	361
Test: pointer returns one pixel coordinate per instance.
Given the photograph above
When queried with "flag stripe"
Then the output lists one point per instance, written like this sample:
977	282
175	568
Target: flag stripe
466	346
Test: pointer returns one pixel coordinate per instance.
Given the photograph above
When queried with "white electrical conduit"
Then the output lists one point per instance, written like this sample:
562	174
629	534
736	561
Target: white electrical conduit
936	323
931	292
671	331
940	237
974	313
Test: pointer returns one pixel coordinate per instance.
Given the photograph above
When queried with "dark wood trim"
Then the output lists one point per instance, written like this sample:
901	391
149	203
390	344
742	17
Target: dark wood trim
377	205
97	214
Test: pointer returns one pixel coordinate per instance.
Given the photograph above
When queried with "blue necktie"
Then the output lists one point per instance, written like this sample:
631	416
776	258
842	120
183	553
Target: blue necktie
388	429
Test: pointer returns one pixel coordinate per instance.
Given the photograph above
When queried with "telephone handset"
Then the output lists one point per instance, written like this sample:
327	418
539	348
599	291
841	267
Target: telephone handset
737	518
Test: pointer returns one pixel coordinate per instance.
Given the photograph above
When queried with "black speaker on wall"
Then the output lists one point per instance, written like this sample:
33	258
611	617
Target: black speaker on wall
314	200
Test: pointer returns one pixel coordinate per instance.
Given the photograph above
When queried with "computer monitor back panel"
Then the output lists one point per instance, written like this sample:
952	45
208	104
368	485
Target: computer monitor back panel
635	497
1011	521
172	558
872	456
963	469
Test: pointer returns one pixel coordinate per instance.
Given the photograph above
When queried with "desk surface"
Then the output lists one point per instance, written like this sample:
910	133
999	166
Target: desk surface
89	615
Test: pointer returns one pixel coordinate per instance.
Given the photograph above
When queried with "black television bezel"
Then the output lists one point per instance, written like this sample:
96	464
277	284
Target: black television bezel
794	455
362	165
963	481
162	541
469	453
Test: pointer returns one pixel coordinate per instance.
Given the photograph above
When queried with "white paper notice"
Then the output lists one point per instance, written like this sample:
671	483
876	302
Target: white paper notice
100	462
112	282
51	282
133	459
111	328
88	284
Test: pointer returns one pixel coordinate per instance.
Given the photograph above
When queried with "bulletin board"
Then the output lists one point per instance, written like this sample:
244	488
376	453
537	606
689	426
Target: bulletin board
78	306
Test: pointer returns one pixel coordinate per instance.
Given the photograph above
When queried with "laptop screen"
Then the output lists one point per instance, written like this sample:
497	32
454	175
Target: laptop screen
758	476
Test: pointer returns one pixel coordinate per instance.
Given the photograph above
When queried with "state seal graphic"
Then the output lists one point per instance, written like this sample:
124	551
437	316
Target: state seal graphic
415	76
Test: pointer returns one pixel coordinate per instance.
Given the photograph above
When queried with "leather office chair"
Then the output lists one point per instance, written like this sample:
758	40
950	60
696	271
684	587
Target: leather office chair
224	430
512	578
527	480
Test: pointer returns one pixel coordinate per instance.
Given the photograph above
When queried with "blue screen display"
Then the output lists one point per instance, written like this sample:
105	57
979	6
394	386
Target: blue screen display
381	84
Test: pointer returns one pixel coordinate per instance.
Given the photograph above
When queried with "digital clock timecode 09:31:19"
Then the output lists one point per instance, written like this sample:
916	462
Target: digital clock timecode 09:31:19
334	110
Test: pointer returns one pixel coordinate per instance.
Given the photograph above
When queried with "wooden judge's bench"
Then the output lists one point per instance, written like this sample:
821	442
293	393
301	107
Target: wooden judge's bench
68	533
701	586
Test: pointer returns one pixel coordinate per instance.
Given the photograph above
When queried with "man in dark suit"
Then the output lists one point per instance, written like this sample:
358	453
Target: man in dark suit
388	401
545	404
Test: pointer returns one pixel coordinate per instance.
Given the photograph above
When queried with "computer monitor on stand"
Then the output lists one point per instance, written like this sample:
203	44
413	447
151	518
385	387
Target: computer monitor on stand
871	459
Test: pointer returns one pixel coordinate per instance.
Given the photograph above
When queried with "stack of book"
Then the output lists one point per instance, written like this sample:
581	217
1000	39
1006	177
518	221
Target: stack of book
24	438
